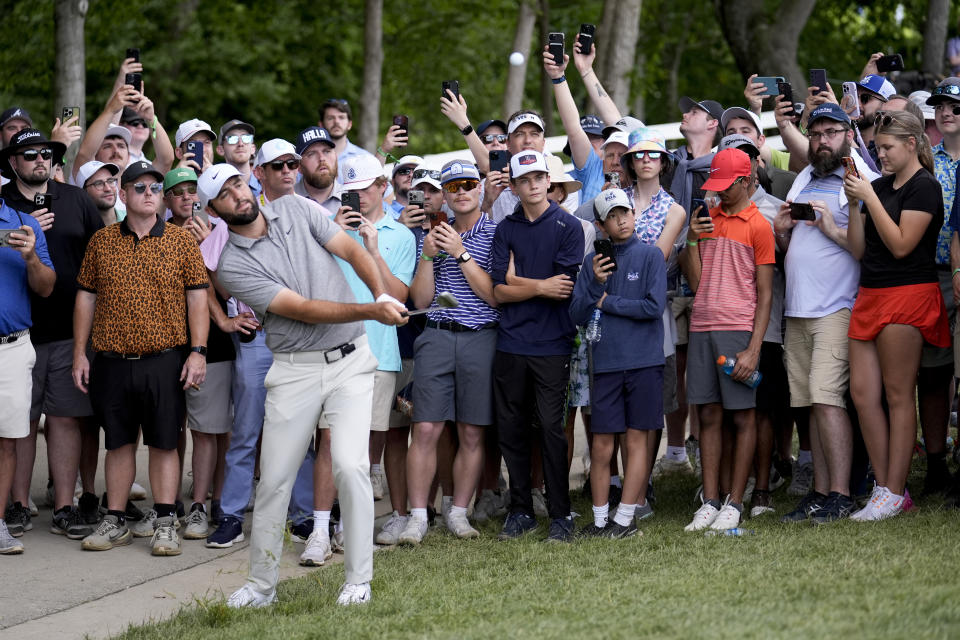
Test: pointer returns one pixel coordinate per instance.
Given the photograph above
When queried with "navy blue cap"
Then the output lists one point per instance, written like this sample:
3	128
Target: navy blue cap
486	123
592	125
21	113
830	110
310	135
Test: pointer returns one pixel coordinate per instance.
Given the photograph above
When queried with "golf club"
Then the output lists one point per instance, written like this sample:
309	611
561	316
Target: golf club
445	300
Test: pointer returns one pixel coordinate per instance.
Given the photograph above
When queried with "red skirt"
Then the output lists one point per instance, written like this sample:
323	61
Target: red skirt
917	305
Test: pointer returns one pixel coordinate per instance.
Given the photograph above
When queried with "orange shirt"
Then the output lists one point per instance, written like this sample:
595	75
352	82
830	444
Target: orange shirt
726	299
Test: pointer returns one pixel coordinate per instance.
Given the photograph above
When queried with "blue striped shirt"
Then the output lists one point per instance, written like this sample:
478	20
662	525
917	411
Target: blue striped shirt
472	311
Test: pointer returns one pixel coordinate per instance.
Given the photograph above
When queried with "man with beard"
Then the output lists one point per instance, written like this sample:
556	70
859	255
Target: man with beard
318	166
401	182
337	118
822	279
280	260
99	180
237	147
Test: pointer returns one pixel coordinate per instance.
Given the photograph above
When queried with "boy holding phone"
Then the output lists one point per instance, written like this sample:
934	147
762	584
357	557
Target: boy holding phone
626	397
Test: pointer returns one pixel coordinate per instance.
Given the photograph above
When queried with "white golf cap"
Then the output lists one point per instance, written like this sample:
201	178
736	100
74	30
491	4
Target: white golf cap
90	168
116	131
360	171
739	112
527	162
406	161
607	201
426	175
524	118
617	136
273	149
186	130
211	181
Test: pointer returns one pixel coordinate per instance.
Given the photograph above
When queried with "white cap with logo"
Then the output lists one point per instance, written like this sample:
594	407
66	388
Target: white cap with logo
607	201
186	130
527	162
212	180
360	171
524	118
273	149
89	168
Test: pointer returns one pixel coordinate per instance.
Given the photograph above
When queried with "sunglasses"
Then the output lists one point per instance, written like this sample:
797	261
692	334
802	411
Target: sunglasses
155	188
433	174
955	108
653	155
137	123
31	154
947	90
277	165
456	185
865	98
490	137
110	182
246	138
179	191
403	171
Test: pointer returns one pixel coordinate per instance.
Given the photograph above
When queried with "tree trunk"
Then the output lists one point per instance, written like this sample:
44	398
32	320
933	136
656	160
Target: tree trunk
70	78
516	76
603	36
764	39
546	86
626	31
639	93
935	38
367	133
673	79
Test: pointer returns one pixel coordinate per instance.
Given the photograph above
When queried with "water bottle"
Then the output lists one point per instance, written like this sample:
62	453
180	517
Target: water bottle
592	334
737	533
728	363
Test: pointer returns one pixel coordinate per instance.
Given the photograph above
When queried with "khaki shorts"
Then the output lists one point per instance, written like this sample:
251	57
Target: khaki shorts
384	397
681	308
817	358
404	377
16	384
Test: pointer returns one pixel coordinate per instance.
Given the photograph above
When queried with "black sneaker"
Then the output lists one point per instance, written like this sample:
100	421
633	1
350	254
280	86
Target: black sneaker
66	522
17	518
938	478
808	505
87	509
593	531
229	532
516	525
561	530
616	531
836	507
301	531
132	513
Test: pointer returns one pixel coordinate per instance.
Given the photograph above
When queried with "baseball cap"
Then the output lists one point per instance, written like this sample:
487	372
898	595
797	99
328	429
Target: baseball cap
948	89
739	112
406	161
591	125
137	169
524	118
559	176
830	110
14	113
878	85
360	171
739	141
116	131
727	166
617	136
483	126
129	115
424	174
920	98
186	130
90	168
527	162
625	124
607	201
176	176
235	124
211	181
714	108
458	170
273	149
312	135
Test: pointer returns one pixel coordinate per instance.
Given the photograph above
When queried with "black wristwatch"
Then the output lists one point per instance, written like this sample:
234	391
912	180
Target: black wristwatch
466	130
464	257
201	350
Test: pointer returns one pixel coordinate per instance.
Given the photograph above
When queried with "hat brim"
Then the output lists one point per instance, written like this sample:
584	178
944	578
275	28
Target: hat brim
719	184
359	185
431	182
149	172
941	97
59	149
569	184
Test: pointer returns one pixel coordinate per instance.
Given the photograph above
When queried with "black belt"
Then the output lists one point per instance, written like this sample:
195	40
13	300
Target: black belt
339	352
134	356
13	337
456	326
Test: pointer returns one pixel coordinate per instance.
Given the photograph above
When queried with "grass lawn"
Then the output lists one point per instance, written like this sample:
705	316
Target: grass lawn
893	579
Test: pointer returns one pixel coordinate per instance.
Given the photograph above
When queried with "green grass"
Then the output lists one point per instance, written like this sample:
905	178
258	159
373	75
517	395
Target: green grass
893	579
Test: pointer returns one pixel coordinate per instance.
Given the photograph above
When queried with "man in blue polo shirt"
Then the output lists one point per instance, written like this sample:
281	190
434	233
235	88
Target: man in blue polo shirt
25	266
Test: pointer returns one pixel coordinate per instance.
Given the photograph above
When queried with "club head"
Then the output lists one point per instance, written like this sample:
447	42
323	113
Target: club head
447	300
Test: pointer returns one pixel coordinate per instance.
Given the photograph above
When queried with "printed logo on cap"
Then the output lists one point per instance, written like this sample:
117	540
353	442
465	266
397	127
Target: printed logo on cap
351	173
16	114
525	160
456	168
609	196
314	134
27	135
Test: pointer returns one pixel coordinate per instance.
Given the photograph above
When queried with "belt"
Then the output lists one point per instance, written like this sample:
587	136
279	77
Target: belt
114	355
456	326
13	337
312	357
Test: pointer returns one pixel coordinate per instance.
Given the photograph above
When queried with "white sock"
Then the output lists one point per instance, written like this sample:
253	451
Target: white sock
804	457
419	514
321	520
457	511
677	454
600	515
624	514
616	482
374	469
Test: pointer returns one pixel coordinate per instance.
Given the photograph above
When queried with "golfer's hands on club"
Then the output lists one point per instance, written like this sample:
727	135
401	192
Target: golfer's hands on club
390	311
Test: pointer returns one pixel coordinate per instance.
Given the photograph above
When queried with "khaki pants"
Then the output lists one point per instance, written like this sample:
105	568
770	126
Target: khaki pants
302	388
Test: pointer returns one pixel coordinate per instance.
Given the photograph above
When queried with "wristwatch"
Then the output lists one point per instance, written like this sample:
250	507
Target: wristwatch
466	130
201	350
464	257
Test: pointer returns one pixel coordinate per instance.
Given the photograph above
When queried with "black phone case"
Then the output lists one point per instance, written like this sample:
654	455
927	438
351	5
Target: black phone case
555	45
604	248
499	159
586	37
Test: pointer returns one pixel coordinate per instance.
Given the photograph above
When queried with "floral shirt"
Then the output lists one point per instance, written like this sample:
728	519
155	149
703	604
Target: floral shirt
650	221
945	169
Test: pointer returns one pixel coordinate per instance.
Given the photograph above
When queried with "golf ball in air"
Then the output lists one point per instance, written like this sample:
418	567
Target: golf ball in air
516	58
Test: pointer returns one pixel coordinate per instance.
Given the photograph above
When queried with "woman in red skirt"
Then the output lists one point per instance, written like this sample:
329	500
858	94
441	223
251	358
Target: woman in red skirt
899	305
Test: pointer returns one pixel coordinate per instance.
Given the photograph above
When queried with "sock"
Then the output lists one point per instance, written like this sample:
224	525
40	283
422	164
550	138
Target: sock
616	482
624	514
419	514
121	516
374	469
321	520
736	505
165	510
713	503
600	515
804	457
457	511
197	505
677	454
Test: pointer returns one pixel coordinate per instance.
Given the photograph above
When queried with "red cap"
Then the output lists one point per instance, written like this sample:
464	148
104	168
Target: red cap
727	166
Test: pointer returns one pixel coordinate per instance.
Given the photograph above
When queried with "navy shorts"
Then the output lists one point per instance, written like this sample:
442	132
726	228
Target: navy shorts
622	400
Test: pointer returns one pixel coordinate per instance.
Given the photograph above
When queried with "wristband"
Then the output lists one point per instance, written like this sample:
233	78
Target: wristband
692	243
955	271
467	130
388	156
153	127
559	80
424	256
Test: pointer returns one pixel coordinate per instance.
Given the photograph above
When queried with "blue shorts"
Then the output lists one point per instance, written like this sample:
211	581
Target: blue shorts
624	400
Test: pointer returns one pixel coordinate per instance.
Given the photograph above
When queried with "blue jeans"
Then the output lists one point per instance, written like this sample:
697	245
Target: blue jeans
249	395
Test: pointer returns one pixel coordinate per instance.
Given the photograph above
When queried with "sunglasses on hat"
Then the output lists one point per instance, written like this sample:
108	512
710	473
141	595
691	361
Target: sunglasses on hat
433	174
947	90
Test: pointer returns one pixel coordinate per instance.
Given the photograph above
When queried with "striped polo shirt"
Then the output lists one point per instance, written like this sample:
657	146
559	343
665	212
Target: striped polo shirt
472	311
726	299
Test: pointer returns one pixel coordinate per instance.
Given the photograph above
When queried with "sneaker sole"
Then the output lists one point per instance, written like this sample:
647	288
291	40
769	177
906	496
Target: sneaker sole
310	562
756	512
631	534
125	539
504	538
165	551
468	535
224	545
409	542
13	551
187	535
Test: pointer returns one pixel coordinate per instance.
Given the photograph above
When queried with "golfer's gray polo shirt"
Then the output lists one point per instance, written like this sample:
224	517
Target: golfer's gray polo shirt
291	256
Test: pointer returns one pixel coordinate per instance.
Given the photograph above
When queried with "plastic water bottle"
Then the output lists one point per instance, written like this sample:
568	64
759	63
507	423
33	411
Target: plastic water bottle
738	532
728	363
592	333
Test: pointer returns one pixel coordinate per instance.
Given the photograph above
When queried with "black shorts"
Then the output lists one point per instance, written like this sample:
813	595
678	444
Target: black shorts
130	395
773	394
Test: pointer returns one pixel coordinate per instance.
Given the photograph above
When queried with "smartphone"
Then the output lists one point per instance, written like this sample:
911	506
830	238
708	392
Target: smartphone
196	148
351	199
452	85
802	211
200	212
849	165
890	63
604	249
586	37
134	52
771	84
43	201
613	178
850	100
415	198
818	79
401	121
704	211
555	46
135	80
68	112
784	89
499	160
436	217
5	237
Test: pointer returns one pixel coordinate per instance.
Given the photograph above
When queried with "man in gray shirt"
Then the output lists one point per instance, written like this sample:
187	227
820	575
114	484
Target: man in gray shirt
279	260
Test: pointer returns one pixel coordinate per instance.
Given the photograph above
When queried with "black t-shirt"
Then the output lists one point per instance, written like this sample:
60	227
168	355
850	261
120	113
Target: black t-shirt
75	221
879	268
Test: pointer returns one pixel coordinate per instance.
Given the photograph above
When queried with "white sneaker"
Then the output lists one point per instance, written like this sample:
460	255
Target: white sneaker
445	503
165	541
414	531
137	492
317	550
889	505
336	542
376	481
391	529
540	504
460	526
665	466
144	528
246	596
727	518
34	512
869	510
703	518
8	544
354	594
